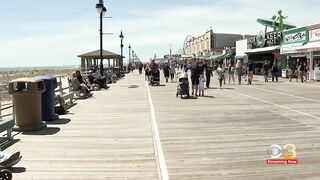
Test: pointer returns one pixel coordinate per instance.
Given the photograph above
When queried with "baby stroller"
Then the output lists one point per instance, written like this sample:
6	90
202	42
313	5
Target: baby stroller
183	87
155	78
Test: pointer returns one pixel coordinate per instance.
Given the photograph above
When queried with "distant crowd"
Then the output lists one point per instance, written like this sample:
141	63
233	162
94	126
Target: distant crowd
201	72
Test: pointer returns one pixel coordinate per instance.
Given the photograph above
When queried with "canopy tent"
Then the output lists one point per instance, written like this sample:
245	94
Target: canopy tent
90	60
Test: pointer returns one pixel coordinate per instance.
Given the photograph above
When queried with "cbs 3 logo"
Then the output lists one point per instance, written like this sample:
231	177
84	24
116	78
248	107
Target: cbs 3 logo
287	152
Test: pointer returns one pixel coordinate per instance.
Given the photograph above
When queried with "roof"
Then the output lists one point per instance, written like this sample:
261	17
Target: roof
105	54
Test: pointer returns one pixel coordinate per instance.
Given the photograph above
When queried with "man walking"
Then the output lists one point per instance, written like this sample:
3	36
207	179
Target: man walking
250	72
274	72
209	74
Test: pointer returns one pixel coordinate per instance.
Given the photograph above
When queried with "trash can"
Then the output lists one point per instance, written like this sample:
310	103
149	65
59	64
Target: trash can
26	94
48	98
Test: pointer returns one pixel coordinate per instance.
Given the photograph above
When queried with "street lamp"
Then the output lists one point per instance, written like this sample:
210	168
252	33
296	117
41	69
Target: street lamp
121	46
129	55
101	10
132	57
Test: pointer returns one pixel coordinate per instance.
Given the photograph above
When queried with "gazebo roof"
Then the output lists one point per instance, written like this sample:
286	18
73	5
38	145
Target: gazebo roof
105	55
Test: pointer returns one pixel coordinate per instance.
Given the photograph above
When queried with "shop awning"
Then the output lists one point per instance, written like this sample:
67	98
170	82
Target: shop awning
290	48
240	56
310	46
217	57
186	56
262	50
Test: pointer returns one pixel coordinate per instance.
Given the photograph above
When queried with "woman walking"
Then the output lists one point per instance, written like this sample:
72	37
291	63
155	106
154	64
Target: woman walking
172	71
239	70
231	73
220	73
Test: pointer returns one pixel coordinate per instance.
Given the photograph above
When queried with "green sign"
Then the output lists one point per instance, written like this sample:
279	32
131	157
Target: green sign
299	35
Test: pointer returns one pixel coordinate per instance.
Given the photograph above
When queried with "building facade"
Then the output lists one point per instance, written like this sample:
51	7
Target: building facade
211	42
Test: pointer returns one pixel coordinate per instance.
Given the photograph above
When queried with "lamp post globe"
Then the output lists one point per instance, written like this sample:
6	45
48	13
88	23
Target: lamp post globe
133	57
101	10
129	54
121	46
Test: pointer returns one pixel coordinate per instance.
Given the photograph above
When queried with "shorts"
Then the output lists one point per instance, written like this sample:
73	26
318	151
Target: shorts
195	80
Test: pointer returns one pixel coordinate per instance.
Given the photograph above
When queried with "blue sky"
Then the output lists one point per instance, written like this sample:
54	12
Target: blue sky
54	32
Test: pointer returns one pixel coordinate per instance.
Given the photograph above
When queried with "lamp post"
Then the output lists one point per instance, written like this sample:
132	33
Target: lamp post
121	46
101	10
129	55
133	58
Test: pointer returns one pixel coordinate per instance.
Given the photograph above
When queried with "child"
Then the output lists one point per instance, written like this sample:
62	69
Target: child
202	81
220	76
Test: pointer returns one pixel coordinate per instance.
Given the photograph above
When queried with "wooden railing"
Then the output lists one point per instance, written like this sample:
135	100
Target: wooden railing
9	105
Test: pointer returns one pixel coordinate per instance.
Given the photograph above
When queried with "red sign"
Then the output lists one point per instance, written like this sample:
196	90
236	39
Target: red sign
282	161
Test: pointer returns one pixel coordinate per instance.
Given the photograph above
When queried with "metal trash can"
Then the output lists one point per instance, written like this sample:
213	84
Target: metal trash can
48	98
26	94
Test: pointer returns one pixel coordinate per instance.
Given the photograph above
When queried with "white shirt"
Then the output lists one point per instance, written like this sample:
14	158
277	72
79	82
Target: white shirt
202	80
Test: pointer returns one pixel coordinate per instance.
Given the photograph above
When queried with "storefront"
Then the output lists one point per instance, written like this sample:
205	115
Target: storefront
294	39
265	47
312	49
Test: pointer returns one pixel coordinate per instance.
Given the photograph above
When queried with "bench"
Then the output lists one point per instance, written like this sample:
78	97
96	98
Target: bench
68	97
7	125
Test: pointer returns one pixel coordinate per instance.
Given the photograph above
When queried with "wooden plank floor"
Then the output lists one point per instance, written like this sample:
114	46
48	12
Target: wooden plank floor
224	135
107	136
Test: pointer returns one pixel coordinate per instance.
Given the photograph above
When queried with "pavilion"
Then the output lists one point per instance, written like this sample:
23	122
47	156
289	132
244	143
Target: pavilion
91	59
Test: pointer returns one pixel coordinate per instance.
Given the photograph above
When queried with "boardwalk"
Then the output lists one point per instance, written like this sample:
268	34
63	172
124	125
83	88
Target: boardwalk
224	135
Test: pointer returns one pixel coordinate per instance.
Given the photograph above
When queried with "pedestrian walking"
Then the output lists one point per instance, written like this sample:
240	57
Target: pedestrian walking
302	72
140	68
226	74
146	72
274	72
172	71
194	79
290	73
209	74
250	72
231	73
166	71
305	73
220	76
239	70
265	69
202	81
